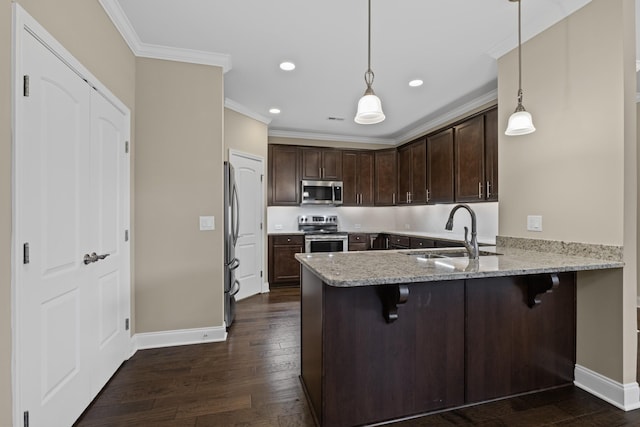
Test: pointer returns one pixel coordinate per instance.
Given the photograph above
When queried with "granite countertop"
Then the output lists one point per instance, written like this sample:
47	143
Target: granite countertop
367	268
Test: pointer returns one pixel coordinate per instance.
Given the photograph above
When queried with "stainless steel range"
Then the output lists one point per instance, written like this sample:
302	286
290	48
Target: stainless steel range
321	234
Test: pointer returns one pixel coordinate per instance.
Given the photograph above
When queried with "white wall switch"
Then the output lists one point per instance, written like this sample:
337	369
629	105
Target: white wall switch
207	223
357	226
534	222
407	226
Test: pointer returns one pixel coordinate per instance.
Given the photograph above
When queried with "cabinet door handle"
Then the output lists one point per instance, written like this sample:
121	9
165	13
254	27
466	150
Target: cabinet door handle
488	190
428	195
479	190
393	198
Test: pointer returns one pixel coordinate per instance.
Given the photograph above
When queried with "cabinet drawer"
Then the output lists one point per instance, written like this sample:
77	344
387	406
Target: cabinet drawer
419	243
403	241
358	238
289	239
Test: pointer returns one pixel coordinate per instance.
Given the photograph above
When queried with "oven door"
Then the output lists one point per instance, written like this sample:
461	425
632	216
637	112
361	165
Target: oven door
325	243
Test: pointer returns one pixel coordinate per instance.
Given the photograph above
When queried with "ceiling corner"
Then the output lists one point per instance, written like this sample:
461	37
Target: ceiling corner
239	108
123	25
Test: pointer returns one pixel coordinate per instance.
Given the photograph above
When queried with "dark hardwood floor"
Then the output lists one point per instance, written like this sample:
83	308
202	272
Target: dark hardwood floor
252	380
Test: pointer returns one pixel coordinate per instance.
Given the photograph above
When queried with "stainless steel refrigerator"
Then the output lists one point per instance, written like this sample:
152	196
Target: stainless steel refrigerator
231	231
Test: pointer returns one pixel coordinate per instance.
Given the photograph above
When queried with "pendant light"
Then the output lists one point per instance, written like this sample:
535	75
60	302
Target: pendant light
520	122
369	106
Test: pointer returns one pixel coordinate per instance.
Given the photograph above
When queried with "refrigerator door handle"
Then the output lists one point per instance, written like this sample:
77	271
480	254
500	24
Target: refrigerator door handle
235	215
234	264
236	285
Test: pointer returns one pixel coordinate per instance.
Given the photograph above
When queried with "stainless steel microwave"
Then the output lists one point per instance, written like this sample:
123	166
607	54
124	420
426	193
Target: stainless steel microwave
321	193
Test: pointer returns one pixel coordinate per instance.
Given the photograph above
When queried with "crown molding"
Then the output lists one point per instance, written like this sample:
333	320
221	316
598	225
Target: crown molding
281	133
407	136
533	27
448	116
145	50
239	108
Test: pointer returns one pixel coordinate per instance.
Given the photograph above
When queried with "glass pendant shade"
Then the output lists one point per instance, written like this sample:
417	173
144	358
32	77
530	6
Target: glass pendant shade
369	109
520	123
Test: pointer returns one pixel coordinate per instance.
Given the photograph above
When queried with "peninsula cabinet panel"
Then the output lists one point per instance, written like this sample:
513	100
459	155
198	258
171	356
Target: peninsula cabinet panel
284	180
375	356
491	155
440	167
385	177
512	348
321	163
357	178
284	269
469	160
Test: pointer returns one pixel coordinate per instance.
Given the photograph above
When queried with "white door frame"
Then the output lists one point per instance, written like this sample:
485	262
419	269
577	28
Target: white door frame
23	21
232	152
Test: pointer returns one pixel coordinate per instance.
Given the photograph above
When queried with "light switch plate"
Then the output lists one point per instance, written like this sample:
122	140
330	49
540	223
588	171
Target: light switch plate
534	222
207	223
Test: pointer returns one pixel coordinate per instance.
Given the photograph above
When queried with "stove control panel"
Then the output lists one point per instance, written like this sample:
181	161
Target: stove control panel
317	219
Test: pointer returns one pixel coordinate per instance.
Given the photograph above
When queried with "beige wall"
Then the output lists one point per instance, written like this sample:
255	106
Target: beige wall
578	170
242	133
179	172
84	29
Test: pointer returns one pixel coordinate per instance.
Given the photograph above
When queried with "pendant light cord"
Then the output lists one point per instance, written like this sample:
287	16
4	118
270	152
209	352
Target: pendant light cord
519	54
369	39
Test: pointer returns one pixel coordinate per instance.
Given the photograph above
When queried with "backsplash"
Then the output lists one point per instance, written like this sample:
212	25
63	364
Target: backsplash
424	218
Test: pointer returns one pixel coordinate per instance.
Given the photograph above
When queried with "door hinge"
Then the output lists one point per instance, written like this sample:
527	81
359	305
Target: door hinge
25	417
126	324
260	273
25	253
126	235
126	147
260	226
25	85
261	178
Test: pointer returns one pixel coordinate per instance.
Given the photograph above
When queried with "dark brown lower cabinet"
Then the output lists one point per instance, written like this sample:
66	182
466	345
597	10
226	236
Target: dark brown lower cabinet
284	269
453	343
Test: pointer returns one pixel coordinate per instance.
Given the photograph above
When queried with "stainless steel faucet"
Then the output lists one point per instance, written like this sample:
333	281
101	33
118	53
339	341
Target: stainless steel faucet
471	246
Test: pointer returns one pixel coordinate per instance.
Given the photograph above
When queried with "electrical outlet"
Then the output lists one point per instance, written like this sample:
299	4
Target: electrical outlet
407	226
534	222
278	226
357	226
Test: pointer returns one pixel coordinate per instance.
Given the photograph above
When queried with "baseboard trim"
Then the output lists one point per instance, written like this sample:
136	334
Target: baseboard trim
623	396
179	337
265	287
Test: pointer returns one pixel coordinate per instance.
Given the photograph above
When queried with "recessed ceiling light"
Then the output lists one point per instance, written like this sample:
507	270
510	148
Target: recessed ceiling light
416	83
274	110
287	66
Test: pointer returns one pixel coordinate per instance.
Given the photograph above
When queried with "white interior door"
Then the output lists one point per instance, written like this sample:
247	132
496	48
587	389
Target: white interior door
109	276
54	213
71	199
249	171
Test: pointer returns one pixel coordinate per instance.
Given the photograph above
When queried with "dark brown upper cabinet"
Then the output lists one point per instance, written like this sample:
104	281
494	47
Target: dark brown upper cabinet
440	167
469	160
385	188
357	178
321	163
491	155
284	178
412	173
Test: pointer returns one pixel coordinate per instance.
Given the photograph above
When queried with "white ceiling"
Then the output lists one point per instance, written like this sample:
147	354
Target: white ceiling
450	44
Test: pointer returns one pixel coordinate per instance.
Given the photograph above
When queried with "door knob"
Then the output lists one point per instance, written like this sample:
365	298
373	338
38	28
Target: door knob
88	259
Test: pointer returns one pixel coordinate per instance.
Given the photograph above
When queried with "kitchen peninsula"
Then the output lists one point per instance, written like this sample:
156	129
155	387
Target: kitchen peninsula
388	335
